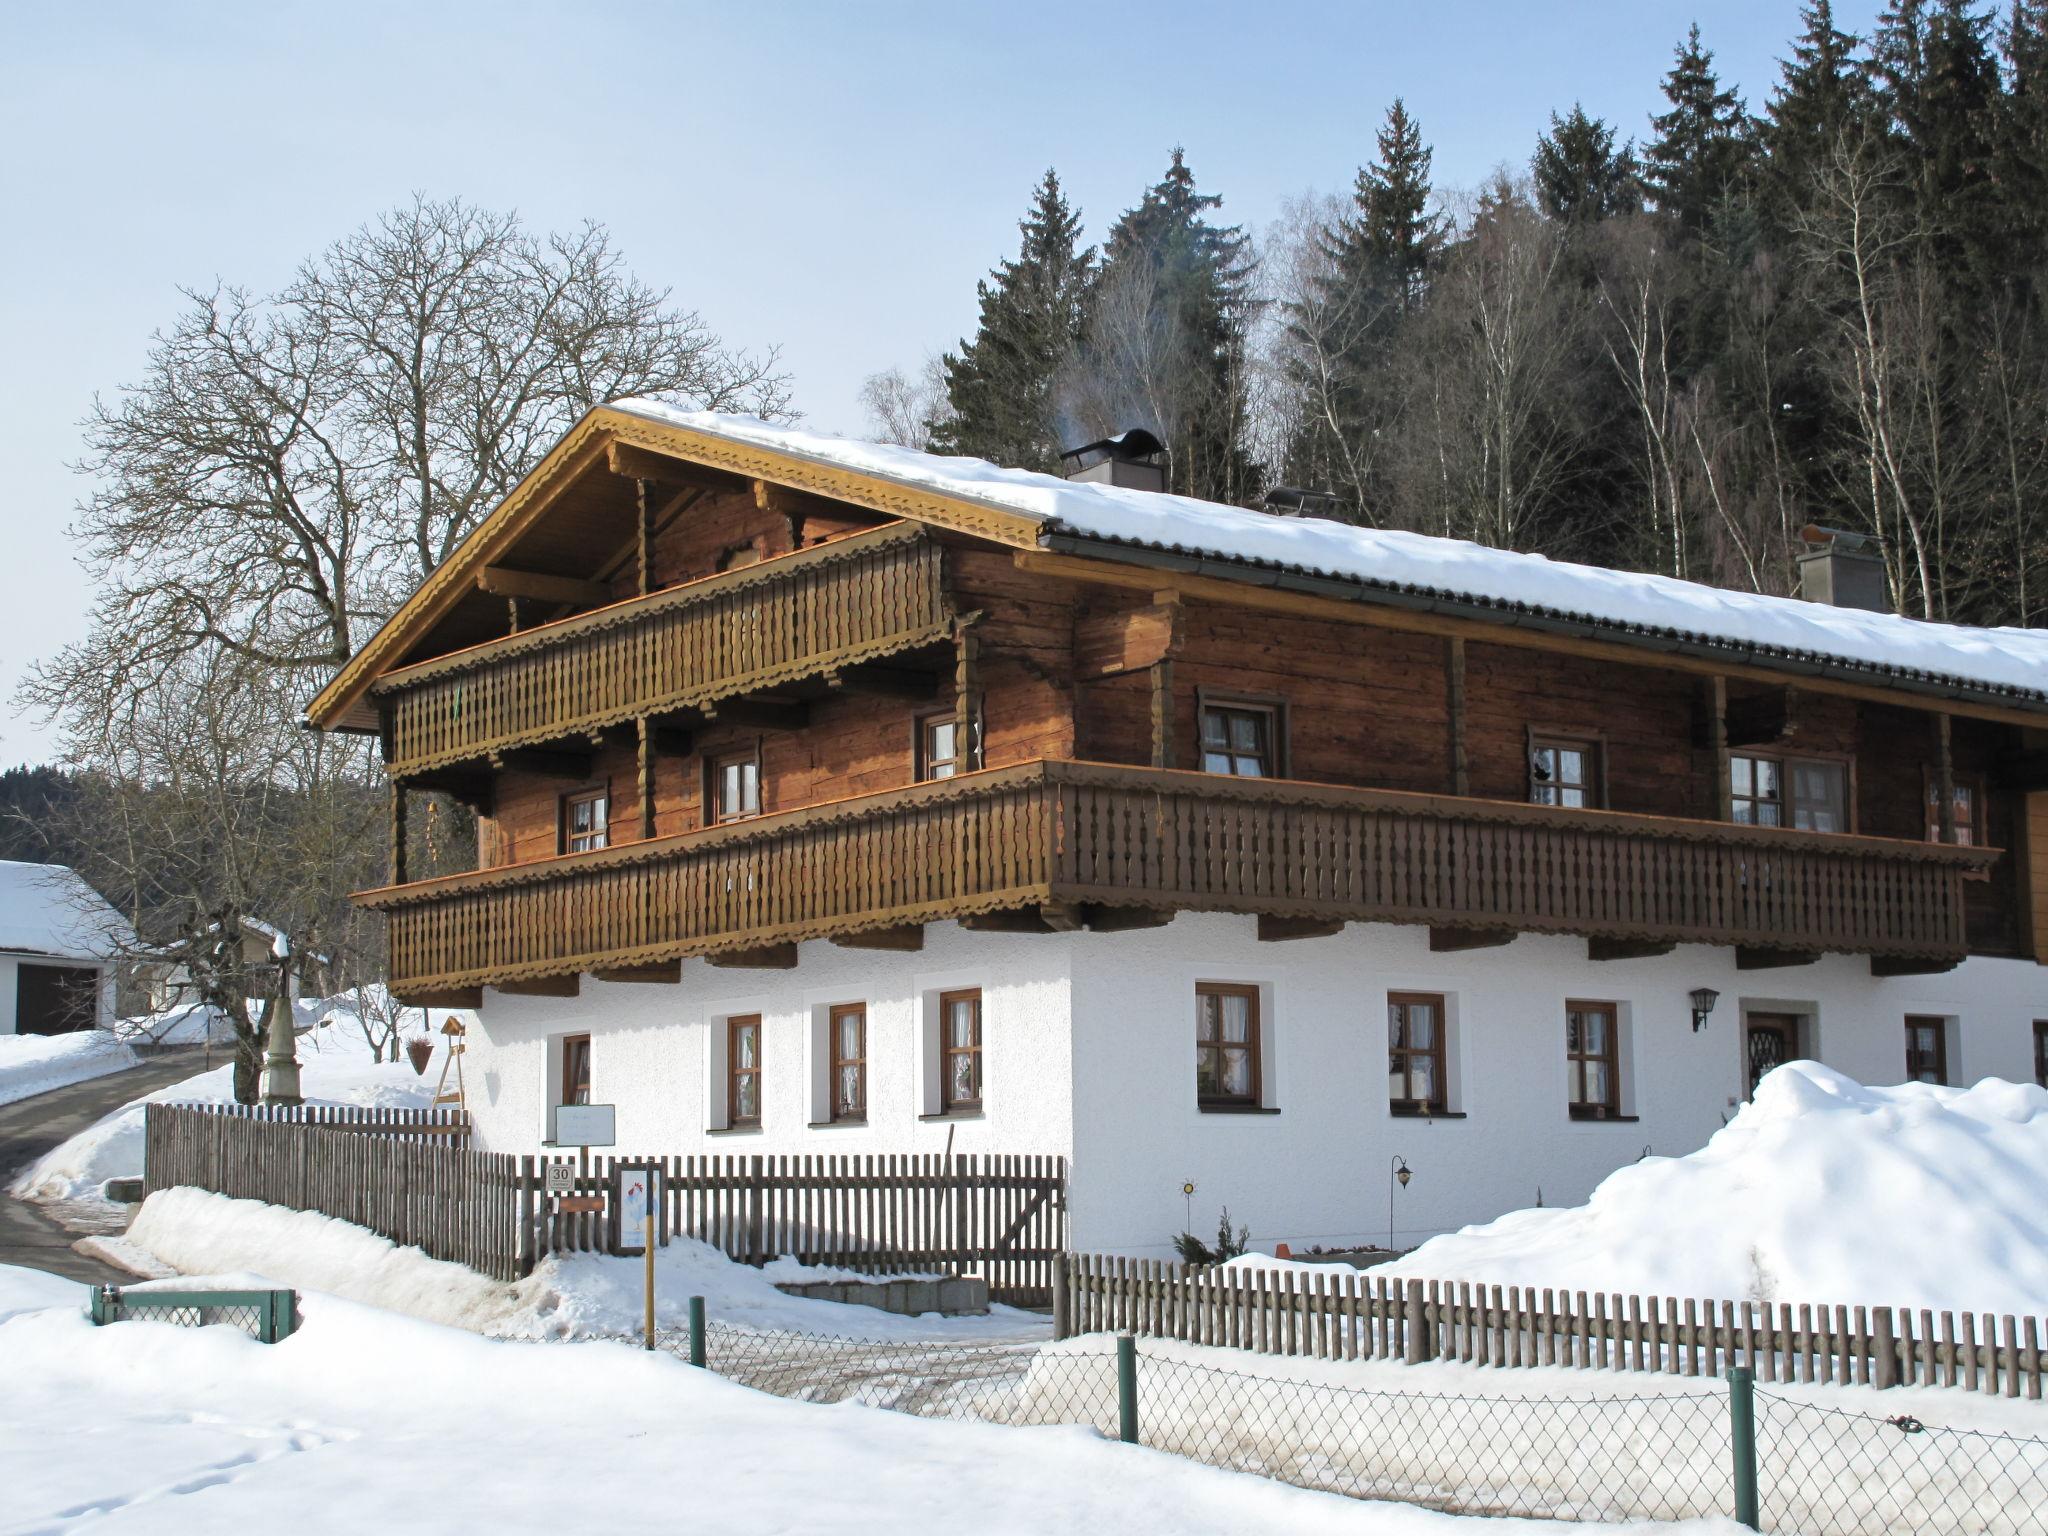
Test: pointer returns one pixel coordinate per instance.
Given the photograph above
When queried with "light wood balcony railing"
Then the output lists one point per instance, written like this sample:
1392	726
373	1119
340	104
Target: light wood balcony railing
856	599
1086	834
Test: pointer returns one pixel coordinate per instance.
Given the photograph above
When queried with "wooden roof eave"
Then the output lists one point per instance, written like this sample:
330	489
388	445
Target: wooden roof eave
344	703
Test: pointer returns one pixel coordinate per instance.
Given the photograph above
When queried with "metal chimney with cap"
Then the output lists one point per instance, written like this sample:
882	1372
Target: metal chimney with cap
1843	569
1135	459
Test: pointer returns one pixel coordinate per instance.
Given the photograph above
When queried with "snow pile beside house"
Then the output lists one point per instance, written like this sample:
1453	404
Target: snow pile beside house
364	1420
1819	1190
32	1064
567	1295
335	1067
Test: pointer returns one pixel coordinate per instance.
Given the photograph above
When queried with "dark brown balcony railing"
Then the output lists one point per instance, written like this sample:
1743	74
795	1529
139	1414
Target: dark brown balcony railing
1085	833
865	596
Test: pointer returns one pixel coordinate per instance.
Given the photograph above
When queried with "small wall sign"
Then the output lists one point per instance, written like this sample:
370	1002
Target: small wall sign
561	1178
583	1125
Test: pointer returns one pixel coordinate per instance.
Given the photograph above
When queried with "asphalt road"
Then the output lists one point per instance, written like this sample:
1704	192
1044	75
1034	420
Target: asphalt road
30	1127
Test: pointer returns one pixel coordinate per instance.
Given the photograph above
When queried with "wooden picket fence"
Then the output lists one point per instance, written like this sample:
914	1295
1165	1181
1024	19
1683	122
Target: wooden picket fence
1347	1314
999	1217
407	1184
411	1178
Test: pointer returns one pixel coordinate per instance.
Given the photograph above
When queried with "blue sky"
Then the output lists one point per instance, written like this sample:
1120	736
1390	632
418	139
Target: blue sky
828	177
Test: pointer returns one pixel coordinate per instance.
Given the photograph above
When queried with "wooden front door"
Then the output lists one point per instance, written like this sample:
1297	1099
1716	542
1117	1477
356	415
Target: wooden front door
1769	1040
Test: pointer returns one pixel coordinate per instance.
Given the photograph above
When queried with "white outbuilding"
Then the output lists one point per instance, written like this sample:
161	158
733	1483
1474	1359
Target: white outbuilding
59	941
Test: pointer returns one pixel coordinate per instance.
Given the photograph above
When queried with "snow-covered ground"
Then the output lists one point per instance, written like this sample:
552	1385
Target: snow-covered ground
364	1420
32	1064
335	1067
567	1296
1820	1190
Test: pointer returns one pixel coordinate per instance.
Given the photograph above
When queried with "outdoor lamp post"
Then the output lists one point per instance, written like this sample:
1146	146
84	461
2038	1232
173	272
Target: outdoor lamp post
1397	1173
1703	1000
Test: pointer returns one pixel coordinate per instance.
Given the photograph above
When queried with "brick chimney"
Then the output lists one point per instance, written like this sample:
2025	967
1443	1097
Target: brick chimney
1842	569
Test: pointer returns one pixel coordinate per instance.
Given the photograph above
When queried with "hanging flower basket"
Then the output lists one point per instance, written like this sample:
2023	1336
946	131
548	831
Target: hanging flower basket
420	1050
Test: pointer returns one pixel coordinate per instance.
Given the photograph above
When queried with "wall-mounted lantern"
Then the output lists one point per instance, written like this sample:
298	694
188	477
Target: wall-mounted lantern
1703	1000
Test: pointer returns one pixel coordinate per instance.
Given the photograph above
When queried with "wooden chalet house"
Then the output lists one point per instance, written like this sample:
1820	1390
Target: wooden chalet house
839	799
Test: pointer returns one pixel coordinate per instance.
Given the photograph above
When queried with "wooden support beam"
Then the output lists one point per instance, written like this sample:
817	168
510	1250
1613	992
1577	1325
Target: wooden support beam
1628	949
445	997
664	972
1454	708
643	535
1715	695
1060	916
1751	957
541	986
1162	712
633	463
1944	779
904	938
1911	965
1444	941
1276	930
1126	919
967	696
768	957
503	581
668	512
645	765
399	832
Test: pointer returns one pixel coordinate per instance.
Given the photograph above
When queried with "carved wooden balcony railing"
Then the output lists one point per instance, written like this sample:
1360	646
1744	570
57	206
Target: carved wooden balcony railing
1090	834
866	596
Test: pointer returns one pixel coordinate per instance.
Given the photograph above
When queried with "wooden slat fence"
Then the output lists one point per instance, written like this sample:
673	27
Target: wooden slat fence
999	1217
444	1127
1348	1314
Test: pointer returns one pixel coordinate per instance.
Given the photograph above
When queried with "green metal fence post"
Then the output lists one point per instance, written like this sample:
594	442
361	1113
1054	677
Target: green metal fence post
1127	1388
102	1305
697	1330
1742	1439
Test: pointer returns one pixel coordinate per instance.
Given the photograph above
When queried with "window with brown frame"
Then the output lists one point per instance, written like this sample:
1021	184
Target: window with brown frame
2041	1052
1415	1053
743	1070
1969	803
1811	794
586	819
575	1069
1592	1060
1242	739
960	1051
1926	1049
733	786
1226	1045
849	1026
1565	770
938	746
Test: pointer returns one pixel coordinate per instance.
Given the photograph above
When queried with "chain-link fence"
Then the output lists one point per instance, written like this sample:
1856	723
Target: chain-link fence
1819	1471
264	1315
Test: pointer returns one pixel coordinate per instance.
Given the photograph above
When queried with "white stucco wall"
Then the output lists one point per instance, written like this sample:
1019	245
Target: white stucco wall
655	1051
1317	1172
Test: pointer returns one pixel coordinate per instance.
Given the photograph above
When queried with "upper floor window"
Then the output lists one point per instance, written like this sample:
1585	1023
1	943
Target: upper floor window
1226	1044
1592	1058
1564	770
586	820
1241	739
1415	1053
849	1026
743	1070
735	788
1969	811
938	746
1926	1049
1811	794
576	1069
960	1051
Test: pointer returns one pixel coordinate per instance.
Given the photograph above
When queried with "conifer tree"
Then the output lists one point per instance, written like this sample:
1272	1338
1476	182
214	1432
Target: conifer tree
1393	238
1580	176
2022	160
1822	99
1000	383
1938	82
1703	144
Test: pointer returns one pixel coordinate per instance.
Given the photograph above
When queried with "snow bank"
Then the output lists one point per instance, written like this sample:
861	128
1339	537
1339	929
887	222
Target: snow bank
32	1064
365	1420
567	1295
2007	659
1819	1190
335	1067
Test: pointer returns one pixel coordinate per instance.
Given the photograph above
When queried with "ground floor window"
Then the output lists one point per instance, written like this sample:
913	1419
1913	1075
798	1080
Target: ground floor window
1592	1056
575	1069
960	1084
743	1070
1226	1045
1415	1053
1926	1049
849	1027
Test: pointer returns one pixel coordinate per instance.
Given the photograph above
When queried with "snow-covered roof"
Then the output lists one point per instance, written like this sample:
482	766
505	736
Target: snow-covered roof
47	909
1420	570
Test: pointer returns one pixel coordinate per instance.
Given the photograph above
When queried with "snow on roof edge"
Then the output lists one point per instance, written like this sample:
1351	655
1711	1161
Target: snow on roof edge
2003	663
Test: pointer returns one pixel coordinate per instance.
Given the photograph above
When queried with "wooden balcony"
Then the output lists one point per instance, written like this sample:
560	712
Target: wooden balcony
859	598
1079	838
